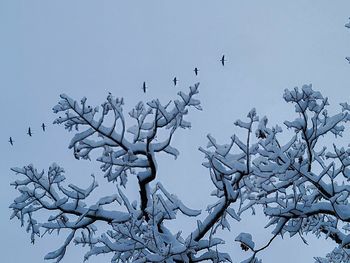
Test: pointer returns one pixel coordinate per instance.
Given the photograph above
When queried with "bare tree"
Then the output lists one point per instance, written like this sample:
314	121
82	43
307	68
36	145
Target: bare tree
300	184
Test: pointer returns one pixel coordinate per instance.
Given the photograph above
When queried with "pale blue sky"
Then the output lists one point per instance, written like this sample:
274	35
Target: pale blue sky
87	48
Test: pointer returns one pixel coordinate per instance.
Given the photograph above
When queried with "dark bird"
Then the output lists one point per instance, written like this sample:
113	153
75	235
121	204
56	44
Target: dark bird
144	87
11	141
300	159
175	80
43	126
244	247
348	24
348	59
196	71
261	134
29	132
223	60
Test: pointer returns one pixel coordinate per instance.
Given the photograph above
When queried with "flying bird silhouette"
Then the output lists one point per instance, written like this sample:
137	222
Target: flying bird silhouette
11	141
348	24
29	132
348	59
43	126
223	60
144	87
196	71
175	80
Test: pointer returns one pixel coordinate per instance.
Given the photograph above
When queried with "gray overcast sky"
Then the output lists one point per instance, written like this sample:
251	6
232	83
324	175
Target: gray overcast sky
87	48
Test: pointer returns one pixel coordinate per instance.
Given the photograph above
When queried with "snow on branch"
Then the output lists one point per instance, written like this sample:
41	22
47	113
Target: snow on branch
147	240
123	155
40	192
301	184
302	189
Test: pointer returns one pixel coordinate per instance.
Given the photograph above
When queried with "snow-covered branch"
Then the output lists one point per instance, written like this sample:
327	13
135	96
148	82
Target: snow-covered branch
301	184
124	155
40	193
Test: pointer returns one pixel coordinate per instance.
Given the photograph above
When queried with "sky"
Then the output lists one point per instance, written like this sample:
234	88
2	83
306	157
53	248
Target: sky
89	48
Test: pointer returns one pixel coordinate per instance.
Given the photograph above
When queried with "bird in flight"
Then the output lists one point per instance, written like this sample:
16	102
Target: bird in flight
43	126
144	87
348	59
348	24
11	141
175	80
29	132
196	71
223	60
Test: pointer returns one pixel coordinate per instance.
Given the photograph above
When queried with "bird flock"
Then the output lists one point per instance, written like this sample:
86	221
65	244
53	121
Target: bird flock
144	89
29	132
175	79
